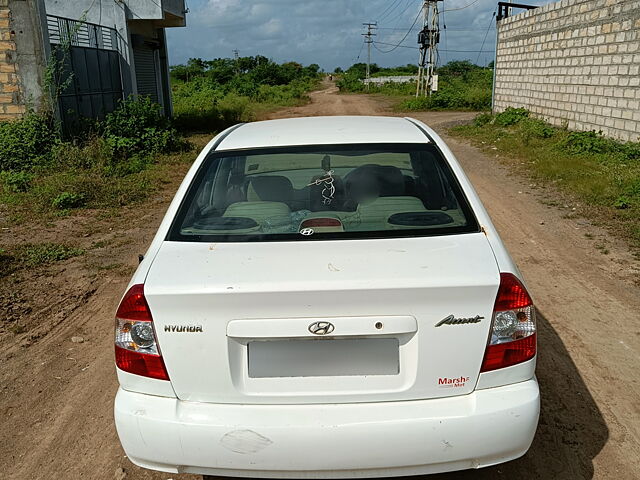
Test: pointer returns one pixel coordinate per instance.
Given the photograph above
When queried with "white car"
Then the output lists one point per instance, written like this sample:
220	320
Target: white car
326	298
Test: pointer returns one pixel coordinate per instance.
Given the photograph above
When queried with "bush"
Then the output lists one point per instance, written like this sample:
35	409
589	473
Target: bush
511	116
631	150
138	126
535	128
585	142
214	94
234	108
418	103
350	83
482	119
462	86
630	198
68	200
27	143
16	182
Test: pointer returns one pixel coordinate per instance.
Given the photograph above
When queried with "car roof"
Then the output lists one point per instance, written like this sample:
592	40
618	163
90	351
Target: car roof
323	131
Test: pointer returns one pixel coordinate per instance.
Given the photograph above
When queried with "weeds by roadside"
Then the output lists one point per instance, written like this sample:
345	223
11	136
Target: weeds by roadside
214	94
44	253
600	172
114	165
35	255
462	86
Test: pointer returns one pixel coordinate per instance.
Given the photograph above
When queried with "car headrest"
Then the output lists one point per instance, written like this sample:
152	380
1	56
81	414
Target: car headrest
369	181
270	188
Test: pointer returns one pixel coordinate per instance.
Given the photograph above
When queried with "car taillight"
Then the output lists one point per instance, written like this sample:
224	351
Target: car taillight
136	344
513	327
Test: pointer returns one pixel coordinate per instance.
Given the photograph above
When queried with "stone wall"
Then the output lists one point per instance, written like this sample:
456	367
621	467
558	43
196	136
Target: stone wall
11	101
573	63
22	57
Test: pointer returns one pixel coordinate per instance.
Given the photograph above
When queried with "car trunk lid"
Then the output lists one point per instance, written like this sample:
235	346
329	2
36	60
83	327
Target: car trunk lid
323	321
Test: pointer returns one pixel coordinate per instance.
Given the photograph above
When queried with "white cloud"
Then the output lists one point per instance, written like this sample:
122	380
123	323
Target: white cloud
326	32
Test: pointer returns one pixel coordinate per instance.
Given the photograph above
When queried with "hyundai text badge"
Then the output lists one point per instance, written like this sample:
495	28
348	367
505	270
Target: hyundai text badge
321	328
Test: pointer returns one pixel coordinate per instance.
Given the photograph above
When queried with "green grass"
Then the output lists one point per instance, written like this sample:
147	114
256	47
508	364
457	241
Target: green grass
601	174
83	179
214	94
35	255
461	86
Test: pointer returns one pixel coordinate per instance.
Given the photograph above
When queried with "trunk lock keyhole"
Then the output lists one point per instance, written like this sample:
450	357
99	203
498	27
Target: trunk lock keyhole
379	325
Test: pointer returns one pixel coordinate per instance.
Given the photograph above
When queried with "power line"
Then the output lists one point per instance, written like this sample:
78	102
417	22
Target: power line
360	51
442	50
485	37
375	45
468	51
462	8
390	8
399	16
405	36
453	29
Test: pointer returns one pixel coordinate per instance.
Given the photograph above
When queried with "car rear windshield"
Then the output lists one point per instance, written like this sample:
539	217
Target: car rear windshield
323	192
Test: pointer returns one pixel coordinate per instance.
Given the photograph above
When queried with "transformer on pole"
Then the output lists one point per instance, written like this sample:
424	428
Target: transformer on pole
428	39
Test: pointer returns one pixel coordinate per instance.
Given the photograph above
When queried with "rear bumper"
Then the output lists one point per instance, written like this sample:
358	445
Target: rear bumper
329	441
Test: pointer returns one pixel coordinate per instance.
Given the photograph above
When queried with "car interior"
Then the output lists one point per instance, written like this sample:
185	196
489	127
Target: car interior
322	192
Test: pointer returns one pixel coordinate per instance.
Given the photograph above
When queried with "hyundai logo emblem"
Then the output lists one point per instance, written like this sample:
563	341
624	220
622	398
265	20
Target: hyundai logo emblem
306	231
321	328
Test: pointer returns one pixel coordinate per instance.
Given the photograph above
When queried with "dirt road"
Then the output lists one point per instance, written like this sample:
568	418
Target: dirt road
56	396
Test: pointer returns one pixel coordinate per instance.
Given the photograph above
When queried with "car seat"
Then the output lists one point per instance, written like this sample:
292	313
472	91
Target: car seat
270	188
368	182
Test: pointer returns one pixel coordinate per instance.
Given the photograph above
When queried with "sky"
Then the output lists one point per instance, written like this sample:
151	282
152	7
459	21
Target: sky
328	32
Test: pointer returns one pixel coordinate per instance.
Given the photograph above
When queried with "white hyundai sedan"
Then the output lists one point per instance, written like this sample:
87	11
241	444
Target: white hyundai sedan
326	298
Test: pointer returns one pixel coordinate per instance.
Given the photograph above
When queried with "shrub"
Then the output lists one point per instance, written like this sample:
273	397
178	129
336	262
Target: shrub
92	152
68	200
16	182
482	119
418	103
586	142
138	126
630	197
350	83
213	94
631	150
511	116
27	143
234	108
535	128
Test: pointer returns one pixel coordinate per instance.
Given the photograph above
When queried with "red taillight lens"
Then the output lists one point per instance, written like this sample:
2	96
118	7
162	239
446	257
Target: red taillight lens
144	364
511	294
136	345
506	354
513	327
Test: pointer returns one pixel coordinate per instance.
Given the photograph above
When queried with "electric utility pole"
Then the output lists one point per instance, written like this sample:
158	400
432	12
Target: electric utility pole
428	39
368	39
236	65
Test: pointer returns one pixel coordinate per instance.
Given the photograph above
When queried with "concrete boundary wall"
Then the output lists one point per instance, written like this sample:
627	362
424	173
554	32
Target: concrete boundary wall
573	63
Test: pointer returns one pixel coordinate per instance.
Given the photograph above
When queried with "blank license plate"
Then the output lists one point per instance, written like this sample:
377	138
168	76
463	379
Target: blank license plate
323	358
